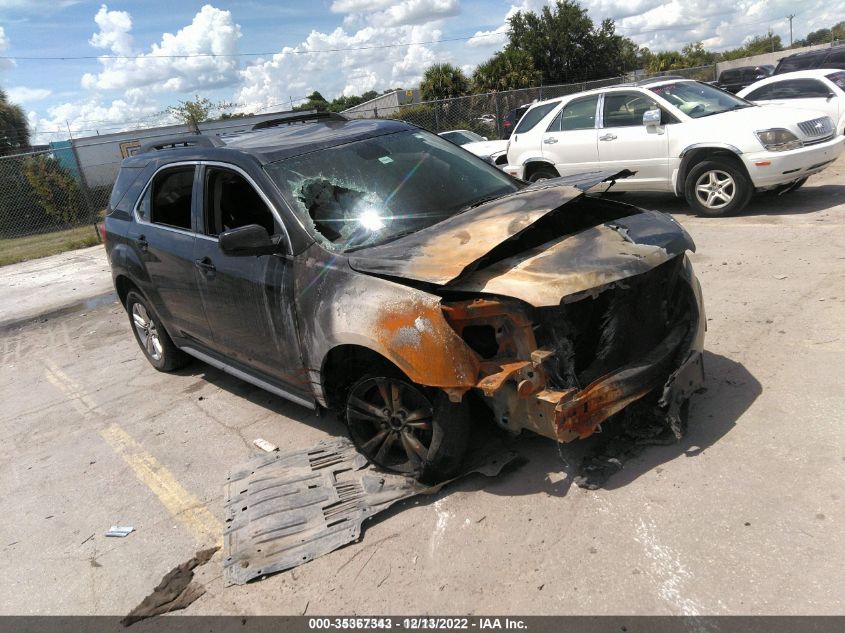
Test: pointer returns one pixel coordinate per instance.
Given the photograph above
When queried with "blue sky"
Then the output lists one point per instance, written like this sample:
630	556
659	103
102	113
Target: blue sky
108	94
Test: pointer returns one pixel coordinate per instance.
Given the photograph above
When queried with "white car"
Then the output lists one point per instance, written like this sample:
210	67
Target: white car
494	152
679	136
819	89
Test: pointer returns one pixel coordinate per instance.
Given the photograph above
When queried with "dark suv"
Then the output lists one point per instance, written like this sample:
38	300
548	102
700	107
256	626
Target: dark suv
833	57
382	271
735	79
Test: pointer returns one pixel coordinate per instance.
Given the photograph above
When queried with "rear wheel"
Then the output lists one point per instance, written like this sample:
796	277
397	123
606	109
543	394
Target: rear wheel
406	428
717	186
153	339
543	173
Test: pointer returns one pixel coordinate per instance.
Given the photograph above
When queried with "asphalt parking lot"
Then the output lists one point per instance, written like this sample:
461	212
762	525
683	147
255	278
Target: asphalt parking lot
743	516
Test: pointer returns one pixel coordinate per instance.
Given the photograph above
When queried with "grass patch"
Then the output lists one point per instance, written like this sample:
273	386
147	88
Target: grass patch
20	249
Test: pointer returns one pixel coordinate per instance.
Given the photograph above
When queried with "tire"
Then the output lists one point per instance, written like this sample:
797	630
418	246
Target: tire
418	432
543	173
152	338
717	186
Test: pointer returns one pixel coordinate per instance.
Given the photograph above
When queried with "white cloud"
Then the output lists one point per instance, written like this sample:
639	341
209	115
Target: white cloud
114	35
386	13
212	32
22	94
496	38
415	12
359	6
4	46
91	116
294	72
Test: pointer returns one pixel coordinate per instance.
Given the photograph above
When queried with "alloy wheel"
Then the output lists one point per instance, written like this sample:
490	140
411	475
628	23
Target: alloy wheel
715	189
390	421
147	331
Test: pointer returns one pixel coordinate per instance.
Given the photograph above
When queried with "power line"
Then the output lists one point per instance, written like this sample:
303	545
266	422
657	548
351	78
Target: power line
265	54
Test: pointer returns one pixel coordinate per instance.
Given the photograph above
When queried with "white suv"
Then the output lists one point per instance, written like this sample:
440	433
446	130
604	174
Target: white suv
679	136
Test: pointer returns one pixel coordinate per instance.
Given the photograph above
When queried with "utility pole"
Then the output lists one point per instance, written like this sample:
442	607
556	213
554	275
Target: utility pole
789	17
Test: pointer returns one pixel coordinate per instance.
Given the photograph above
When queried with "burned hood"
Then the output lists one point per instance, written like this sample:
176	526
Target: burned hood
443	252
581	262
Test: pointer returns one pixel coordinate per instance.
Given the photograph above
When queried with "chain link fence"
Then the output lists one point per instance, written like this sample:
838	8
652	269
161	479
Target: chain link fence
45	205
485	114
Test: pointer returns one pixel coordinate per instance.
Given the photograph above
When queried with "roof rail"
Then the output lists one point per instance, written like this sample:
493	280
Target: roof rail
175	142
295	118
652	80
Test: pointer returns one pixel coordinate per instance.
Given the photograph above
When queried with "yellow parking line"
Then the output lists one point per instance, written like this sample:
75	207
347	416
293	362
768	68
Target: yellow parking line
178	501
184	506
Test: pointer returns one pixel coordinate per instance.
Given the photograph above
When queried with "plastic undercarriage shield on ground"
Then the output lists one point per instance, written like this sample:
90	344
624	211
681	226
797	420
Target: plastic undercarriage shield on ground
285	509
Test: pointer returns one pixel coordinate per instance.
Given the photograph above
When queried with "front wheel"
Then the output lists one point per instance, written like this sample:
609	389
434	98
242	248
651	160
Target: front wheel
406	428
543	173
717	187
153	339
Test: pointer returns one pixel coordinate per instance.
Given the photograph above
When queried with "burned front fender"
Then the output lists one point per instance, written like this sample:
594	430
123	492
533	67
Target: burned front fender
338	306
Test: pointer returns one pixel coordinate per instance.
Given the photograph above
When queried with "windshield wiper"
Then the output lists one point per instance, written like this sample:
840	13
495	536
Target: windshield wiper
738	106
480	201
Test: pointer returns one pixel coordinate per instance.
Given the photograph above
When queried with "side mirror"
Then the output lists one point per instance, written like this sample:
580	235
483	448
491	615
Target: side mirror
652	117
249	240
831	94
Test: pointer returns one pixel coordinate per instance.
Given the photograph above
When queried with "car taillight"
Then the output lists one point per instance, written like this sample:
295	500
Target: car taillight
101	227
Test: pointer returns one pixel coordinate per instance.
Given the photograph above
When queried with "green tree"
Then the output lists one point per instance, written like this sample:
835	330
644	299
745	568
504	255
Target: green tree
757	45
14	130
442	81
823	36
56	189
694	54
507	69
194	111
566	46
314	101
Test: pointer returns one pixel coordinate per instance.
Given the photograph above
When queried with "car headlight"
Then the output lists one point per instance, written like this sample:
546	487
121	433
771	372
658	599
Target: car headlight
778	139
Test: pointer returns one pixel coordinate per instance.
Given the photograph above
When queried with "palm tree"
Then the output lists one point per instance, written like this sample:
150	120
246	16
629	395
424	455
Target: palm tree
442	81
508	69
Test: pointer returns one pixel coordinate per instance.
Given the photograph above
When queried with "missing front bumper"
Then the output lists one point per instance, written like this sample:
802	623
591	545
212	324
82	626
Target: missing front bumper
565	415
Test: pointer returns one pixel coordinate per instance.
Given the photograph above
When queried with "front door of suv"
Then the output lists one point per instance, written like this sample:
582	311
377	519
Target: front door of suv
163	237
625	143
570	140
248	299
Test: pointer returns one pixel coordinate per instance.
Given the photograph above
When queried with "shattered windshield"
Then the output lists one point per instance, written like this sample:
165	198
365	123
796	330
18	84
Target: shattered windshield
375	190
696	99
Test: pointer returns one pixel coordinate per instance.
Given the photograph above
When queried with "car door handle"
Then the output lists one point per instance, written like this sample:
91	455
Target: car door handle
608	137
143	244
550	141
205	264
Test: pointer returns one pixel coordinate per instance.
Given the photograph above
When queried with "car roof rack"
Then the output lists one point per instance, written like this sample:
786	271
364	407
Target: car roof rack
653	80
297	118
176	142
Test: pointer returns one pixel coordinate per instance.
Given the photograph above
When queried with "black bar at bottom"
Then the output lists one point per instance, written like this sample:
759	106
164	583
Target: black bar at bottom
534	624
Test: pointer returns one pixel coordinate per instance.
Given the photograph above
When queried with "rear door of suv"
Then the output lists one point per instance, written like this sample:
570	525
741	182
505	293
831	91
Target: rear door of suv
248	300
570	139
625	143
163	237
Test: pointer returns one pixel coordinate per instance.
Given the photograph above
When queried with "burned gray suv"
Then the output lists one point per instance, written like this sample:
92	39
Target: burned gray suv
378	270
